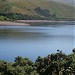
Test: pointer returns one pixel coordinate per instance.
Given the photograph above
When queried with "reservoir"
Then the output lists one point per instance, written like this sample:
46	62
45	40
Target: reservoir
34	41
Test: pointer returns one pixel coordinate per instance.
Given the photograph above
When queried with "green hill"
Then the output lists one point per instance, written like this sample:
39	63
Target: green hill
35	9
69	2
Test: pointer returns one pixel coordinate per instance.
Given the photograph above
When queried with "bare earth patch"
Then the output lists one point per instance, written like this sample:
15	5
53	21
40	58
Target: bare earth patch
7	23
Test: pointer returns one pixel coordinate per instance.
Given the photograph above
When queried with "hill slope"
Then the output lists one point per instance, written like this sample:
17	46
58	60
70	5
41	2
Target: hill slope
69	2
36	9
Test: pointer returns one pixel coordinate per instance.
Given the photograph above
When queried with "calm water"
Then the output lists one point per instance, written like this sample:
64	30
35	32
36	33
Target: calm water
34	41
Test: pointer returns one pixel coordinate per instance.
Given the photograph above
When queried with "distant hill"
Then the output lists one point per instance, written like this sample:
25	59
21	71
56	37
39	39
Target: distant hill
35	9
69	2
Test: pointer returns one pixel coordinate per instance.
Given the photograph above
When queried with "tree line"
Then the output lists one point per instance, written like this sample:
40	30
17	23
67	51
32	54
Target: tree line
19	16
54	64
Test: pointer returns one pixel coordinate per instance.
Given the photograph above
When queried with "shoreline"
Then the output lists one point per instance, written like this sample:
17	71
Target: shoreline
28	22
8	23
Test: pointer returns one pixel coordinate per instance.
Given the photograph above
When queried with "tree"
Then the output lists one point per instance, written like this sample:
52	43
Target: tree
22	61
73	50
54	64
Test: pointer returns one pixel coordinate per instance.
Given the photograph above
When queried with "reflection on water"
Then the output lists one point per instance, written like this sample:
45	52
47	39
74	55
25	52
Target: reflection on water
33	41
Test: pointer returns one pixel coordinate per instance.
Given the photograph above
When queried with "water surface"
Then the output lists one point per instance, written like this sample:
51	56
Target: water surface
34	41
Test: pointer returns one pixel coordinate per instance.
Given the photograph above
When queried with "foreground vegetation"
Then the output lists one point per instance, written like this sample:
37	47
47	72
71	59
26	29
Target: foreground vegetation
35	9
54	64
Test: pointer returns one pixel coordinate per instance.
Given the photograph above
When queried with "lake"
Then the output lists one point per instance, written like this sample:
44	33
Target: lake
34	41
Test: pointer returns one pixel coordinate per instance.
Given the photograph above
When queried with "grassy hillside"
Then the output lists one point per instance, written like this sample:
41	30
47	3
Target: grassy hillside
69	2
36	9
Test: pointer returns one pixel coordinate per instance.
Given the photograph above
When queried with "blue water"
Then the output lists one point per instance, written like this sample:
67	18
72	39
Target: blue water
36	41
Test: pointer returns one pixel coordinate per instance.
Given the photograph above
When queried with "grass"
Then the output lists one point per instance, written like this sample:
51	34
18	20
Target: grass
27	7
